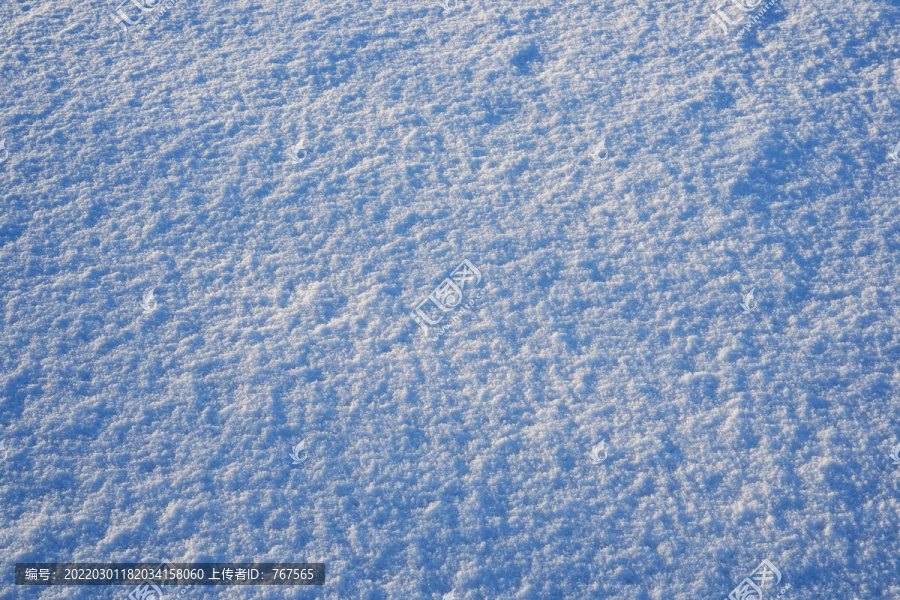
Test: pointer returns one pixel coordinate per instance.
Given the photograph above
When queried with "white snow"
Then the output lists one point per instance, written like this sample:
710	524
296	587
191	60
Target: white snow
213	237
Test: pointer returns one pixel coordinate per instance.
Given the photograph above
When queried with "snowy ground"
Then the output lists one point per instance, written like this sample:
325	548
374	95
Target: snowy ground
292	179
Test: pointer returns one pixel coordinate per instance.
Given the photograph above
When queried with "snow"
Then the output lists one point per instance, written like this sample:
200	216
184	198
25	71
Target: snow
290	180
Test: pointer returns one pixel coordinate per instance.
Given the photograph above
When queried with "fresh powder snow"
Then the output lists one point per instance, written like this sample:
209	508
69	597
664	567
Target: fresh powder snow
466	300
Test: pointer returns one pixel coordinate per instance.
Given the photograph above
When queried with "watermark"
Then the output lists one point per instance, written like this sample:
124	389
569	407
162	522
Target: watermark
4	449
751	588
445	4
152	579
467	308
749	303
895	454
137	11
296	149
723	20
784	590
596	459
299	453
146	591
720	18
149	304
755	19
5	150
151	591
448	296
600	147
894	155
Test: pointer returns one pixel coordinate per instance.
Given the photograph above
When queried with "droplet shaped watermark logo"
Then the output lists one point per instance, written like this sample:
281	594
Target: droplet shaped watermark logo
299	452
4	150
596	452
749	303
895	454
149	304
298	152
751	588
895	154
599	149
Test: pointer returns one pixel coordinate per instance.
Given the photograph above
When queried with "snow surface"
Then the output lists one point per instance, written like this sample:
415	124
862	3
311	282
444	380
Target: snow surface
284	286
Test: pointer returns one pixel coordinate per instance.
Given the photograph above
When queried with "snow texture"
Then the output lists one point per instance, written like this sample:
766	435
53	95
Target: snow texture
216	224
